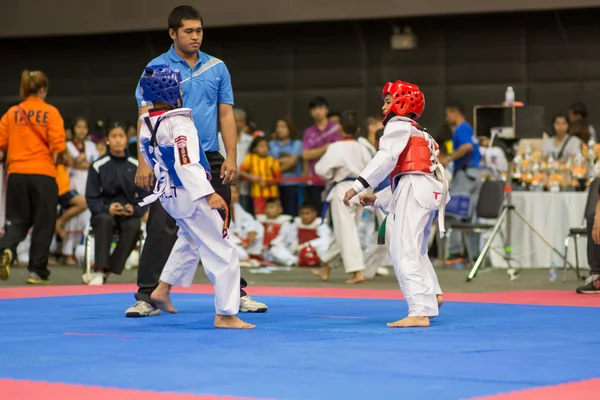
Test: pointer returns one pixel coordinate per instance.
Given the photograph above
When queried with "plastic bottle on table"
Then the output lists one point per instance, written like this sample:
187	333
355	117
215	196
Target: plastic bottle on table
509	96
552	273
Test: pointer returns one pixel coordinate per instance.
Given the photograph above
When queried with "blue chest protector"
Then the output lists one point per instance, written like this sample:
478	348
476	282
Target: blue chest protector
167	154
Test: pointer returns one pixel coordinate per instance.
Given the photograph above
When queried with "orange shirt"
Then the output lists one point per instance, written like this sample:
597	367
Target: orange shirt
265	168
26	153
62	179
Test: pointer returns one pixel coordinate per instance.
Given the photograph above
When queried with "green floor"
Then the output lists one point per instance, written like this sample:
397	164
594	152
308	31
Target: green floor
489	280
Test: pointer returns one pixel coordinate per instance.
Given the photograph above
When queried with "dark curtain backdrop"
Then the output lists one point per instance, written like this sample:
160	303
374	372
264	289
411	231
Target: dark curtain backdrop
551	59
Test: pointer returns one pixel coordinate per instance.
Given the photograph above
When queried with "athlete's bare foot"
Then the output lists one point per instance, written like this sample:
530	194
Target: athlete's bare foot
410	322
357	278
231	322
322	272
161	298
440	300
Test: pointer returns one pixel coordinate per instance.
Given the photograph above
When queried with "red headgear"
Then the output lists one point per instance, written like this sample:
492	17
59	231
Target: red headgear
308	257
408	101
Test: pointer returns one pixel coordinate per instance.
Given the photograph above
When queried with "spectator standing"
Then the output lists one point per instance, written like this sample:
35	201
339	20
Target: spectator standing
466	173
244	139
33	135
578	113
263	171
288	152
315	141
82	153
592	283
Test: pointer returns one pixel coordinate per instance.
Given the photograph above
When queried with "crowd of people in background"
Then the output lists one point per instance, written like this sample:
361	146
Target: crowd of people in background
279	190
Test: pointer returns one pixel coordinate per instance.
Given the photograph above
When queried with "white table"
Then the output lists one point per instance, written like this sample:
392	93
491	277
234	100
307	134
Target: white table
552	214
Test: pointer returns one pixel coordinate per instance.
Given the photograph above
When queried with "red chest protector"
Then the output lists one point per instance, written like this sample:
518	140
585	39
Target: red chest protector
271	231
416	157
306	234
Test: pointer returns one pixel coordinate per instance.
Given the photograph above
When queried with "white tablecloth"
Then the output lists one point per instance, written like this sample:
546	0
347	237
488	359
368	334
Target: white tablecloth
552	214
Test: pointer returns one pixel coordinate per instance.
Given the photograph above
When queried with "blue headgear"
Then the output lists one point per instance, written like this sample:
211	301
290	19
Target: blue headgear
161	83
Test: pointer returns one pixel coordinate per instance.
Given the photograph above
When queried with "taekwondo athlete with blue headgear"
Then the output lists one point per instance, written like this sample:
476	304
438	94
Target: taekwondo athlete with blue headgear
169	143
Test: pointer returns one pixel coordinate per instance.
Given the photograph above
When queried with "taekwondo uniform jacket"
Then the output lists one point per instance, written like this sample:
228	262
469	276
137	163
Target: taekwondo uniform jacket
180	165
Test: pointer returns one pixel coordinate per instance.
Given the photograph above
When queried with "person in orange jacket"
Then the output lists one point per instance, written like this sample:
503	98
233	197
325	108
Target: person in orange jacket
33	136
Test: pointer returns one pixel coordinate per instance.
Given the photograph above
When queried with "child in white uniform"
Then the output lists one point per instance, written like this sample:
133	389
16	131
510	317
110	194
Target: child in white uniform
170	145
305	230
408	155
339	167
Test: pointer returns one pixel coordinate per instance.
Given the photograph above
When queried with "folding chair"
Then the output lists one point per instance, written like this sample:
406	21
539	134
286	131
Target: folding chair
489	206
89	234
577	232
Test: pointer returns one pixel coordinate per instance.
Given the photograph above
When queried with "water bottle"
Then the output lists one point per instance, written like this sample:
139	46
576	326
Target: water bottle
509	96
552	273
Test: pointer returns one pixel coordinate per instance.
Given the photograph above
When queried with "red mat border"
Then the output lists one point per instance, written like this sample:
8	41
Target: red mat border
12	389
588	389
523	297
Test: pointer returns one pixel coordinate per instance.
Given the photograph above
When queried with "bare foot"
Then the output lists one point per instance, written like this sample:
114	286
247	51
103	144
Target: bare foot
322	272
162	300
357	278
231	322
410	322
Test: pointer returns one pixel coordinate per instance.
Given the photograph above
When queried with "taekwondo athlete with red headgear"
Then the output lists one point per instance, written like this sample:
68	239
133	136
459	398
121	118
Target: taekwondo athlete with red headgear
408	157
169	143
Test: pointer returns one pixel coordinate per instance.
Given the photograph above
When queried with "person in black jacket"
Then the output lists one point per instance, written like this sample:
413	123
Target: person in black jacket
113	198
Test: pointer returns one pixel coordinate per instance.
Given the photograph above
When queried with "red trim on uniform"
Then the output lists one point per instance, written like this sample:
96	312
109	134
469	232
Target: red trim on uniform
157	112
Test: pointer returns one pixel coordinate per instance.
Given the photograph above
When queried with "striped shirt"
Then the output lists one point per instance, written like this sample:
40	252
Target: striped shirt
266	169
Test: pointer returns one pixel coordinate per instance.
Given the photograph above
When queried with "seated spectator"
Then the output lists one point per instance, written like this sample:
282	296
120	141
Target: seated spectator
113	201
578	112
289	153
305	230
561	145
71	204
263	171
272	220
246	232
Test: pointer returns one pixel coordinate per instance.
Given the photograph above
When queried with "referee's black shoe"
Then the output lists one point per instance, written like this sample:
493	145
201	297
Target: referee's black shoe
591	285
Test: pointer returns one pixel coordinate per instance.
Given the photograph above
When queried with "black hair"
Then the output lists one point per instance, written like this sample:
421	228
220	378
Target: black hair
182	13
334	114
256	141
349	122
76	120
318	102
557	117
578	108
273	200
456	106
309	205
114	125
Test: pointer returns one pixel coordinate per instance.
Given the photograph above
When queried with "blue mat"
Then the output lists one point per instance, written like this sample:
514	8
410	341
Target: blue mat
298	351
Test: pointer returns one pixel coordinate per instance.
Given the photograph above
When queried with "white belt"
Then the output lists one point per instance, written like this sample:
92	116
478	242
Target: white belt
163	181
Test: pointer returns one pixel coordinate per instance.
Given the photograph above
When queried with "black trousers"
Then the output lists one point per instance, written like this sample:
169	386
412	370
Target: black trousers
161	235
593	249
105	226
313	194
289	199
31	201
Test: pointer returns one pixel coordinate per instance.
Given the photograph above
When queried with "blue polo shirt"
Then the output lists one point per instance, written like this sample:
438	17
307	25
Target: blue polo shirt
204	87
464	134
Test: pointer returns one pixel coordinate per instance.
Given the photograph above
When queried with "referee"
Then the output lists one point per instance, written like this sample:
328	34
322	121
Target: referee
206	87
